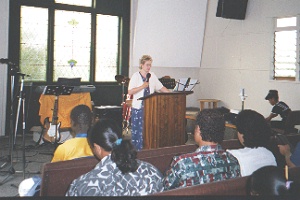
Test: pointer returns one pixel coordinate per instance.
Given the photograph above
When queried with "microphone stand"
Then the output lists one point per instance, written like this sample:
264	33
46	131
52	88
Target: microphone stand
12	137
12	71
243	97
21	102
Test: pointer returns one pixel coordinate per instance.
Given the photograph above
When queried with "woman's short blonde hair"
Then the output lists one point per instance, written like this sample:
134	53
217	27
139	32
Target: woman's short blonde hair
143	59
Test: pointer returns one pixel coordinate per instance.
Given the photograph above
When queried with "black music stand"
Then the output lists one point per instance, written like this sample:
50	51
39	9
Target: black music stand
185	84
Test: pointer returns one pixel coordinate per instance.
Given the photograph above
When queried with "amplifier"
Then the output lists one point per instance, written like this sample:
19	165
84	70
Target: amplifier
109	111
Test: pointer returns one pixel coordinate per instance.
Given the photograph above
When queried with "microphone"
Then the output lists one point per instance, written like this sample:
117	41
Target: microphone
6	61
21	74
147	77
187	82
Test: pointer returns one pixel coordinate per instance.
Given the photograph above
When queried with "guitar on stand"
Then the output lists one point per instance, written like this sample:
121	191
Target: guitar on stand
126	114
51	129
126	105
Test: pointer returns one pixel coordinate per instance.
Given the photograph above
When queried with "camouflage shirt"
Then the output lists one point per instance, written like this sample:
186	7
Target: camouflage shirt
107	180
206	164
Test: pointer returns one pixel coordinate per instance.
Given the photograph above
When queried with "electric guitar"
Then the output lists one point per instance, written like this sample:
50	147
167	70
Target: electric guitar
51	129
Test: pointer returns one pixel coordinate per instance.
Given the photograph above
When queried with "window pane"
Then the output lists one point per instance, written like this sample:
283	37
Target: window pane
285	22
87	3
285	53
107	47
33	47
72	43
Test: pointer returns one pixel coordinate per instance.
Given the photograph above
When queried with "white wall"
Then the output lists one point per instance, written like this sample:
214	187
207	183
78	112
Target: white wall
4	7
238	54
171	31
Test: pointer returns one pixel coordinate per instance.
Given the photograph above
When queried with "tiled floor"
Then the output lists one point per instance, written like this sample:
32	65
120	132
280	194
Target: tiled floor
11	172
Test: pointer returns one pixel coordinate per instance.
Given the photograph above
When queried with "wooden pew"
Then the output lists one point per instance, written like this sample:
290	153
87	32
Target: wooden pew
56	177
233	187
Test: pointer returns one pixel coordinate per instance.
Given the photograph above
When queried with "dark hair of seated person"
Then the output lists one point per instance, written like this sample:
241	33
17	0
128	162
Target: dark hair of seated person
212	125
105	133
81	117
254	128
270	180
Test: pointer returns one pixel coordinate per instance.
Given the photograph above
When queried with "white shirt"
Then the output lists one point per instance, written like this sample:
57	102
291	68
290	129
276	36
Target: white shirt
136	80
251	159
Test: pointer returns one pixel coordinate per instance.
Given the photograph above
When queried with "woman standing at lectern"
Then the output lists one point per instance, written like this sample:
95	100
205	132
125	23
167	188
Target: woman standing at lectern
142	83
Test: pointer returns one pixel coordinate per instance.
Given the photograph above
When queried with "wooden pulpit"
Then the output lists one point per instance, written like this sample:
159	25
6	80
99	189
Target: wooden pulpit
164	119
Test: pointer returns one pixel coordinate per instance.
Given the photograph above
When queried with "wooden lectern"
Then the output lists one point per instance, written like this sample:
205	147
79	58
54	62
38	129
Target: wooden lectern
164	119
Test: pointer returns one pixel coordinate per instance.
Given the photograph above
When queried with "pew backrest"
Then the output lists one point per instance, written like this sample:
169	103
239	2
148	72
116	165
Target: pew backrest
235	186
56	177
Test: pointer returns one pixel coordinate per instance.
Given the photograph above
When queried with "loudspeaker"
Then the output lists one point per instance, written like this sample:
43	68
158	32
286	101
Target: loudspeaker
232	9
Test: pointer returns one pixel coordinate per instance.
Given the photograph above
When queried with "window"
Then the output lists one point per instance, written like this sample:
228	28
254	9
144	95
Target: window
286	49
72	45
71	38
107	45
33	45
87	3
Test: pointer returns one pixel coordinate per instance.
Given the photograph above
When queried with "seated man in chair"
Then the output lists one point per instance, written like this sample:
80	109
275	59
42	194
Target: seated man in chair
209	162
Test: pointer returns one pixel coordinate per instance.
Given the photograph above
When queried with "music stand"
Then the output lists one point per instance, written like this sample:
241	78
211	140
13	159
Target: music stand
185	84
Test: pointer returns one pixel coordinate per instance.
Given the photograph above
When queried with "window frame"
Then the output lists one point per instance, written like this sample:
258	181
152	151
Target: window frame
288	28
106	7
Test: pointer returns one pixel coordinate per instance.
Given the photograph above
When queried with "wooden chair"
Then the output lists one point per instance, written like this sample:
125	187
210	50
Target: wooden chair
212	103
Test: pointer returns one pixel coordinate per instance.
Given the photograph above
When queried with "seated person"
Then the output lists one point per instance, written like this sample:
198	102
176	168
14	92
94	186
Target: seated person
118	173
81	118
209	162
279	108
291	159
254	134
270	180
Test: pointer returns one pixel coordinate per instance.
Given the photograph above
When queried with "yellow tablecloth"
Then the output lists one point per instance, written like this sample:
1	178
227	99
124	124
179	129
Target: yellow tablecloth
65	105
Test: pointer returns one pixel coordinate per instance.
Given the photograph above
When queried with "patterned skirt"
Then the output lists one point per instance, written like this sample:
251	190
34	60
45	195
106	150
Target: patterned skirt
137	122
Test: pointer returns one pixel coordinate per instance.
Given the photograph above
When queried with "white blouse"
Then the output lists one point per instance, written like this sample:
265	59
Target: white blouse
136	80
251	159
